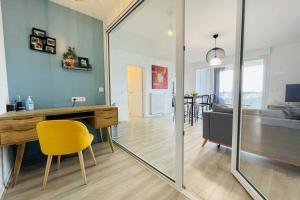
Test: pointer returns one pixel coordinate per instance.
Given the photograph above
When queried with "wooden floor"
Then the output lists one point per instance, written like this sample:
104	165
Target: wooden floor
119	176
207	170
116	177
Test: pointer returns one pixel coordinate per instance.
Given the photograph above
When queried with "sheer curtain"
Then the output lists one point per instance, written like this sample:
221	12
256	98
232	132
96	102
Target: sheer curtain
205	81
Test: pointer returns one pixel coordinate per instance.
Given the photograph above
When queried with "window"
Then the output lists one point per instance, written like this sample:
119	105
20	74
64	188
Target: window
253	84
225	86
252	87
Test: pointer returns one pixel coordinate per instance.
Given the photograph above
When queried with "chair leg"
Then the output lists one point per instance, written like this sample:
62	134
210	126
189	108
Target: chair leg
82	166
92	154
58	162
204	142
48	165
108	137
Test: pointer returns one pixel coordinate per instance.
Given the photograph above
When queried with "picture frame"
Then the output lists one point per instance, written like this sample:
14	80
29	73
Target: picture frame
83	62
159	77
38	32
36	43
50	49
50	41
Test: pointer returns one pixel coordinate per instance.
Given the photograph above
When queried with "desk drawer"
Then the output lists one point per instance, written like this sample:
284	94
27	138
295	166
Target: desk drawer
102	122
16	137
105	113
21	124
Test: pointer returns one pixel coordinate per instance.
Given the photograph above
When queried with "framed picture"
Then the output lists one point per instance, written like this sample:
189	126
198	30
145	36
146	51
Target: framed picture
50	41
38	32
159	77
36	43
50	49
83	62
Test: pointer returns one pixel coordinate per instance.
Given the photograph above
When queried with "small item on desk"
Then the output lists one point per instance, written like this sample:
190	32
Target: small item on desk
29	103
10	107
19	104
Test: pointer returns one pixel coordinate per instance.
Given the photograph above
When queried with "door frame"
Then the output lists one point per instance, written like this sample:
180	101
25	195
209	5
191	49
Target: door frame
236	130
179	126
143	88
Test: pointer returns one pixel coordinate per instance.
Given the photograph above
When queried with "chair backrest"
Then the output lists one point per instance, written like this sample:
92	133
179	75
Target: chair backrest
212	98
205	99
60	137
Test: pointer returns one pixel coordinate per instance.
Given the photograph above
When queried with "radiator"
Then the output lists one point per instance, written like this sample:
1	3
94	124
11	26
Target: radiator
157	103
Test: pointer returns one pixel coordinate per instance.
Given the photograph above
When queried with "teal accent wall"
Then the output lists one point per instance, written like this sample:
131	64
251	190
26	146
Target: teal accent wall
40	74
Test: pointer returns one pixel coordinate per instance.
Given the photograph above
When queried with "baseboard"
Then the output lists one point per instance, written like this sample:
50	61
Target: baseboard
2	192
4	188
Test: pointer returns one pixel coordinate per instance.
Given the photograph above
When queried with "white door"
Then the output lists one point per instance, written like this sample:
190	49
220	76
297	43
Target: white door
135	91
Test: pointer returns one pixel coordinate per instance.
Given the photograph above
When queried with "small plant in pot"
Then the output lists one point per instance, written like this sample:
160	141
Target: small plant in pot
70	57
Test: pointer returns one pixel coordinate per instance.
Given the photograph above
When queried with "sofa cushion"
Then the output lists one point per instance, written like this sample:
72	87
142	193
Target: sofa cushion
222	108
273	113
292	113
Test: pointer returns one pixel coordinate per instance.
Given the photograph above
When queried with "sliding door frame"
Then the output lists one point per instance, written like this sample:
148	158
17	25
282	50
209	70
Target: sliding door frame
179	98
236	130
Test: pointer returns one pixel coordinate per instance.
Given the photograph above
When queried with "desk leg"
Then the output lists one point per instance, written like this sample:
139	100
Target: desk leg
100	135
108	137
18	162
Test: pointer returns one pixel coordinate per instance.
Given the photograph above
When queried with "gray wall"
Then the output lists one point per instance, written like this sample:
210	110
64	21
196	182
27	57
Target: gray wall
40	74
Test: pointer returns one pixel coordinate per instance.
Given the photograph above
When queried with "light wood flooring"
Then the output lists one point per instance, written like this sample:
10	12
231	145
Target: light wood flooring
119	176
207	170
116	177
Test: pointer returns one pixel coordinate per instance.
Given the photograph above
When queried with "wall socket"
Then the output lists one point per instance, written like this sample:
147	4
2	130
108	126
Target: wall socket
101	89
78	99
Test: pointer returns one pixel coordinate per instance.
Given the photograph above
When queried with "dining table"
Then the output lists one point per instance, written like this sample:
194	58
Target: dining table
192	99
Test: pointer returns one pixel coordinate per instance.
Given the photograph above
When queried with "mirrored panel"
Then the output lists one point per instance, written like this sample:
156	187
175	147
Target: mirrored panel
270	98
142	82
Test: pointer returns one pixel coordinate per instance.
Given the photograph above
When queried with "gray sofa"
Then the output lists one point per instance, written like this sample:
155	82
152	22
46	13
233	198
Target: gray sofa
270	133
217	127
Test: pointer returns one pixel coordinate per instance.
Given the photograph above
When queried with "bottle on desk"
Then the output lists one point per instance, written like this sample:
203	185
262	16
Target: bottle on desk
29	103
19	104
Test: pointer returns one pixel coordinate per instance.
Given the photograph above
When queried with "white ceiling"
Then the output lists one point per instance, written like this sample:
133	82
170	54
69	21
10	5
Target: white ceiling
145	32
268	22
203	19
105	10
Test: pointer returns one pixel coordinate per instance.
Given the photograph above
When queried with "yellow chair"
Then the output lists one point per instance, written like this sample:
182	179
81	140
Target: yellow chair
61	137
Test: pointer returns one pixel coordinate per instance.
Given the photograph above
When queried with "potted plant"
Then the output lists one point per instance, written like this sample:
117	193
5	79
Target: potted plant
70	57
194	93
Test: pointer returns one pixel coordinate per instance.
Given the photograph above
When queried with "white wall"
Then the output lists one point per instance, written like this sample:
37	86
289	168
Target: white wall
130	49
284	69
6	153
120	60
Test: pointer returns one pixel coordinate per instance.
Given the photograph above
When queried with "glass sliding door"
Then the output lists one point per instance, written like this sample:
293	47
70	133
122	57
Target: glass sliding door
268	122
142	66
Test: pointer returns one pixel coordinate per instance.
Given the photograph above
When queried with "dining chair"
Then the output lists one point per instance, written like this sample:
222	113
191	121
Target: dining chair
62	137
203	104
212	98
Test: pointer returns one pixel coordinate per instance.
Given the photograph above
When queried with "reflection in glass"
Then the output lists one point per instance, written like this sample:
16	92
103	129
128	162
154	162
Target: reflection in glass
270	121
142	78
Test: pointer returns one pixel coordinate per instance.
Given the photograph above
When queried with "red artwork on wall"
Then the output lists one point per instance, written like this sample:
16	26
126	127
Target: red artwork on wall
159	77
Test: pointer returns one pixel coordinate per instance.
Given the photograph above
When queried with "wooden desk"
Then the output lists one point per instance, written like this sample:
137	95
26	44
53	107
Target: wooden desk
18	128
